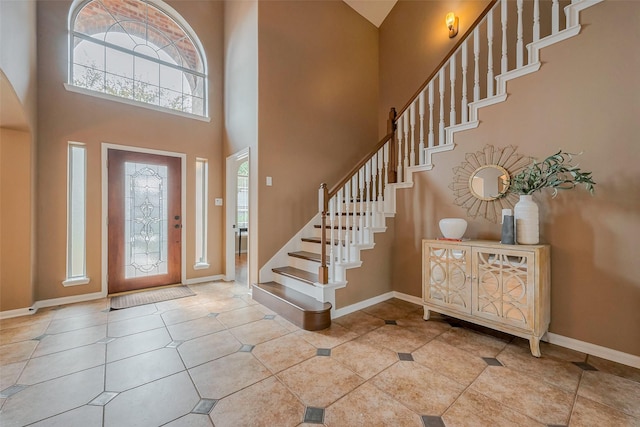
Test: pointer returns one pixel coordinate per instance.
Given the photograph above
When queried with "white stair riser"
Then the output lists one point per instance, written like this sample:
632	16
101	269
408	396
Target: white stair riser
298	285
304	264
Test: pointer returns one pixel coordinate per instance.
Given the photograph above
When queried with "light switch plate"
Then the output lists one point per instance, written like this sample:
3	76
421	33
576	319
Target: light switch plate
269	181
218	202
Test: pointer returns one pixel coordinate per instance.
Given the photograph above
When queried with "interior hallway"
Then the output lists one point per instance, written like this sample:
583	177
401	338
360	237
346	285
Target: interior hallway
219	358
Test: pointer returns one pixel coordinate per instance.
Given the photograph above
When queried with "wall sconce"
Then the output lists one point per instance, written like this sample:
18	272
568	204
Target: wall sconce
452	24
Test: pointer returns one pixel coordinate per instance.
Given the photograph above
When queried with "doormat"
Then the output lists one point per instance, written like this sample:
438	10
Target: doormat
149	297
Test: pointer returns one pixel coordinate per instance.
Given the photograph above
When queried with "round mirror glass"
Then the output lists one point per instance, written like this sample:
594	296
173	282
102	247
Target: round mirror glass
489	182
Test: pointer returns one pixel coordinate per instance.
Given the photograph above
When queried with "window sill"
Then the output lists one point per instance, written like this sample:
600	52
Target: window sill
201	265
84	91
76	281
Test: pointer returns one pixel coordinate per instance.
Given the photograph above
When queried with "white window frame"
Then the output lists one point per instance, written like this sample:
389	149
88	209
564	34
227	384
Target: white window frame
201	208
73	183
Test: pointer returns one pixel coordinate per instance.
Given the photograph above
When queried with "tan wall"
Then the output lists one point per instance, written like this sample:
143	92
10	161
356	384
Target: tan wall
413	41
318	106
585	98
241	101
15	220
65	116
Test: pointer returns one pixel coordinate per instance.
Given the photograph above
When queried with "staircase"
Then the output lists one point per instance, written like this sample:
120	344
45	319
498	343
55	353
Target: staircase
299	282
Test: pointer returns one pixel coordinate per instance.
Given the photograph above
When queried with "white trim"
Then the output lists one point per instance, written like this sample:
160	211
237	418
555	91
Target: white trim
68	300
197	280
339	312
105	193
201	265
231	173
408	298
8	314
593	349
106	96
76	281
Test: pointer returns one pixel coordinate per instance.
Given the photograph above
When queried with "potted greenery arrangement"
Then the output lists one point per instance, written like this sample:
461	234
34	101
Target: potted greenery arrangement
555	172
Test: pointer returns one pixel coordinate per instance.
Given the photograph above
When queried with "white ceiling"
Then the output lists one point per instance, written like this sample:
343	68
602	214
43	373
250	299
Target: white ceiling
374	10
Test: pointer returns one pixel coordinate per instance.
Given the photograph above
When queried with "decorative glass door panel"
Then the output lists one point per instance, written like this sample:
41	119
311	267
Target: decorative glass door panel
144	220
448	277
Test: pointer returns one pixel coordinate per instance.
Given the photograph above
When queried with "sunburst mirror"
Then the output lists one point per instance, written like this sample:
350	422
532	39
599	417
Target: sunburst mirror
481	183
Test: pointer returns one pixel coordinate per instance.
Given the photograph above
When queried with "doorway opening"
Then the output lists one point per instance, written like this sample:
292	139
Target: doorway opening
237	214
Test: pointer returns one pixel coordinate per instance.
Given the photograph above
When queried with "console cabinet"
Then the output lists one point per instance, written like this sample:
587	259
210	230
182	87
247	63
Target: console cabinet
503	287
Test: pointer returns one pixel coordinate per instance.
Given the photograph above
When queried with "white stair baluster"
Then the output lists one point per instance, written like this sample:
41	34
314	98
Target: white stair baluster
476	64
503	19
421	114
362	203
340	205
441	123
379	156
347	240
406	145
490	54
519	43
464	116
452	79
412	123
431	139
536	20
352	218
332	262
386	163
367	177
555	17
400	133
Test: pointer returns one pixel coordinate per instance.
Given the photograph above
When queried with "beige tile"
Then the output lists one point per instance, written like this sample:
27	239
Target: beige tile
68	340
359	322
194	328
286	324
40	369
77	322
538	400
209	347
191	420
22	333
184	314
617	392
221	377
239	316
135	325
152	404
429	328
421	389
388	311
554	351
473	342
331	337
61	395
369	406
259	331
10	373
226	304
284	352
130	313
396	338
132	345
177	304
450	361
587	413
271	404
475	409
81	308
409	306
614	368
319	381
134	371
12	353
43	315
87	415
562	374
364	358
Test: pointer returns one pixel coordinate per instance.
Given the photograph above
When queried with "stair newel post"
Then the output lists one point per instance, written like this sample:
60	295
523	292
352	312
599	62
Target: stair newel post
503	19
421	114
323	271
412	123
340	204
431	138
400	133
464	117
441	92
406	145
520	42
490	54
347	203
391	146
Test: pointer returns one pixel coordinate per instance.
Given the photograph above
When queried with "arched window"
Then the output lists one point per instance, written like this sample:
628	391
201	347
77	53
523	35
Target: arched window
141	50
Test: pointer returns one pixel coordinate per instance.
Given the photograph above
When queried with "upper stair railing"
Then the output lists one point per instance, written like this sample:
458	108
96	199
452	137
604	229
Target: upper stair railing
472	75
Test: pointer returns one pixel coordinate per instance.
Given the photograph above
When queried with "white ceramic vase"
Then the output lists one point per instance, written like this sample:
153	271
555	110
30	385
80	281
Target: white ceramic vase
453	228
526	219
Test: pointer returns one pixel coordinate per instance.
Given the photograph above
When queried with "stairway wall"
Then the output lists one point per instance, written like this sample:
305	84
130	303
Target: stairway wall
586	97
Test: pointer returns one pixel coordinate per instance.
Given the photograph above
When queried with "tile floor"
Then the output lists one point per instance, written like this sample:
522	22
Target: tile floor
219	358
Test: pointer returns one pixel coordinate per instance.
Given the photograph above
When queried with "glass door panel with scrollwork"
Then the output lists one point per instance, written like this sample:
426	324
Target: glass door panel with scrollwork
449	270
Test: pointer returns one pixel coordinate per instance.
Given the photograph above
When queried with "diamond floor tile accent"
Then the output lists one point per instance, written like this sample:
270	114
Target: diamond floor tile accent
204	406
247	348
323	352
105	340
390	322
585	366
10	391
492	361
432	421
174	344
314	415
405	357
269	316
103	398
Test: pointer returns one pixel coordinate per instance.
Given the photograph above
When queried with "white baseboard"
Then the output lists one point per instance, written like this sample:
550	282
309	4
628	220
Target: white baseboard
68	300
8	314
339	312
197	280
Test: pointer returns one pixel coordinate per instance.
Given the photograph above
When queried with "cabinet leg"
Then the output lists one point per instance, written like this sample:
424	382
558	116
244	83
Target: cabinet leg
534	345
427	314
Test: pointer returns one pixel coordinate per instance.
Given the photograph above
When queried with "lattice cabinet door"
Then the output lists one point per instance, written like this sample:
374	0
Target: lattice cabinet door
503	286
447	276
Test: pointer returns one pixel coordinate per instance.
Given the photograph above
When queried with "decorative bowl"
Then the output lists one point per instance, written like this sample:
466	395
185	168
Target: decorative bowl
453	228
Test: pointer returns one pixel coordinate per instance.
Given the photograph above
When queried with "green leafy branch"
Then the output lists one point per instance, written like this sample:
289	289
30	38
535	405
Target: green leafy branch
554	172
